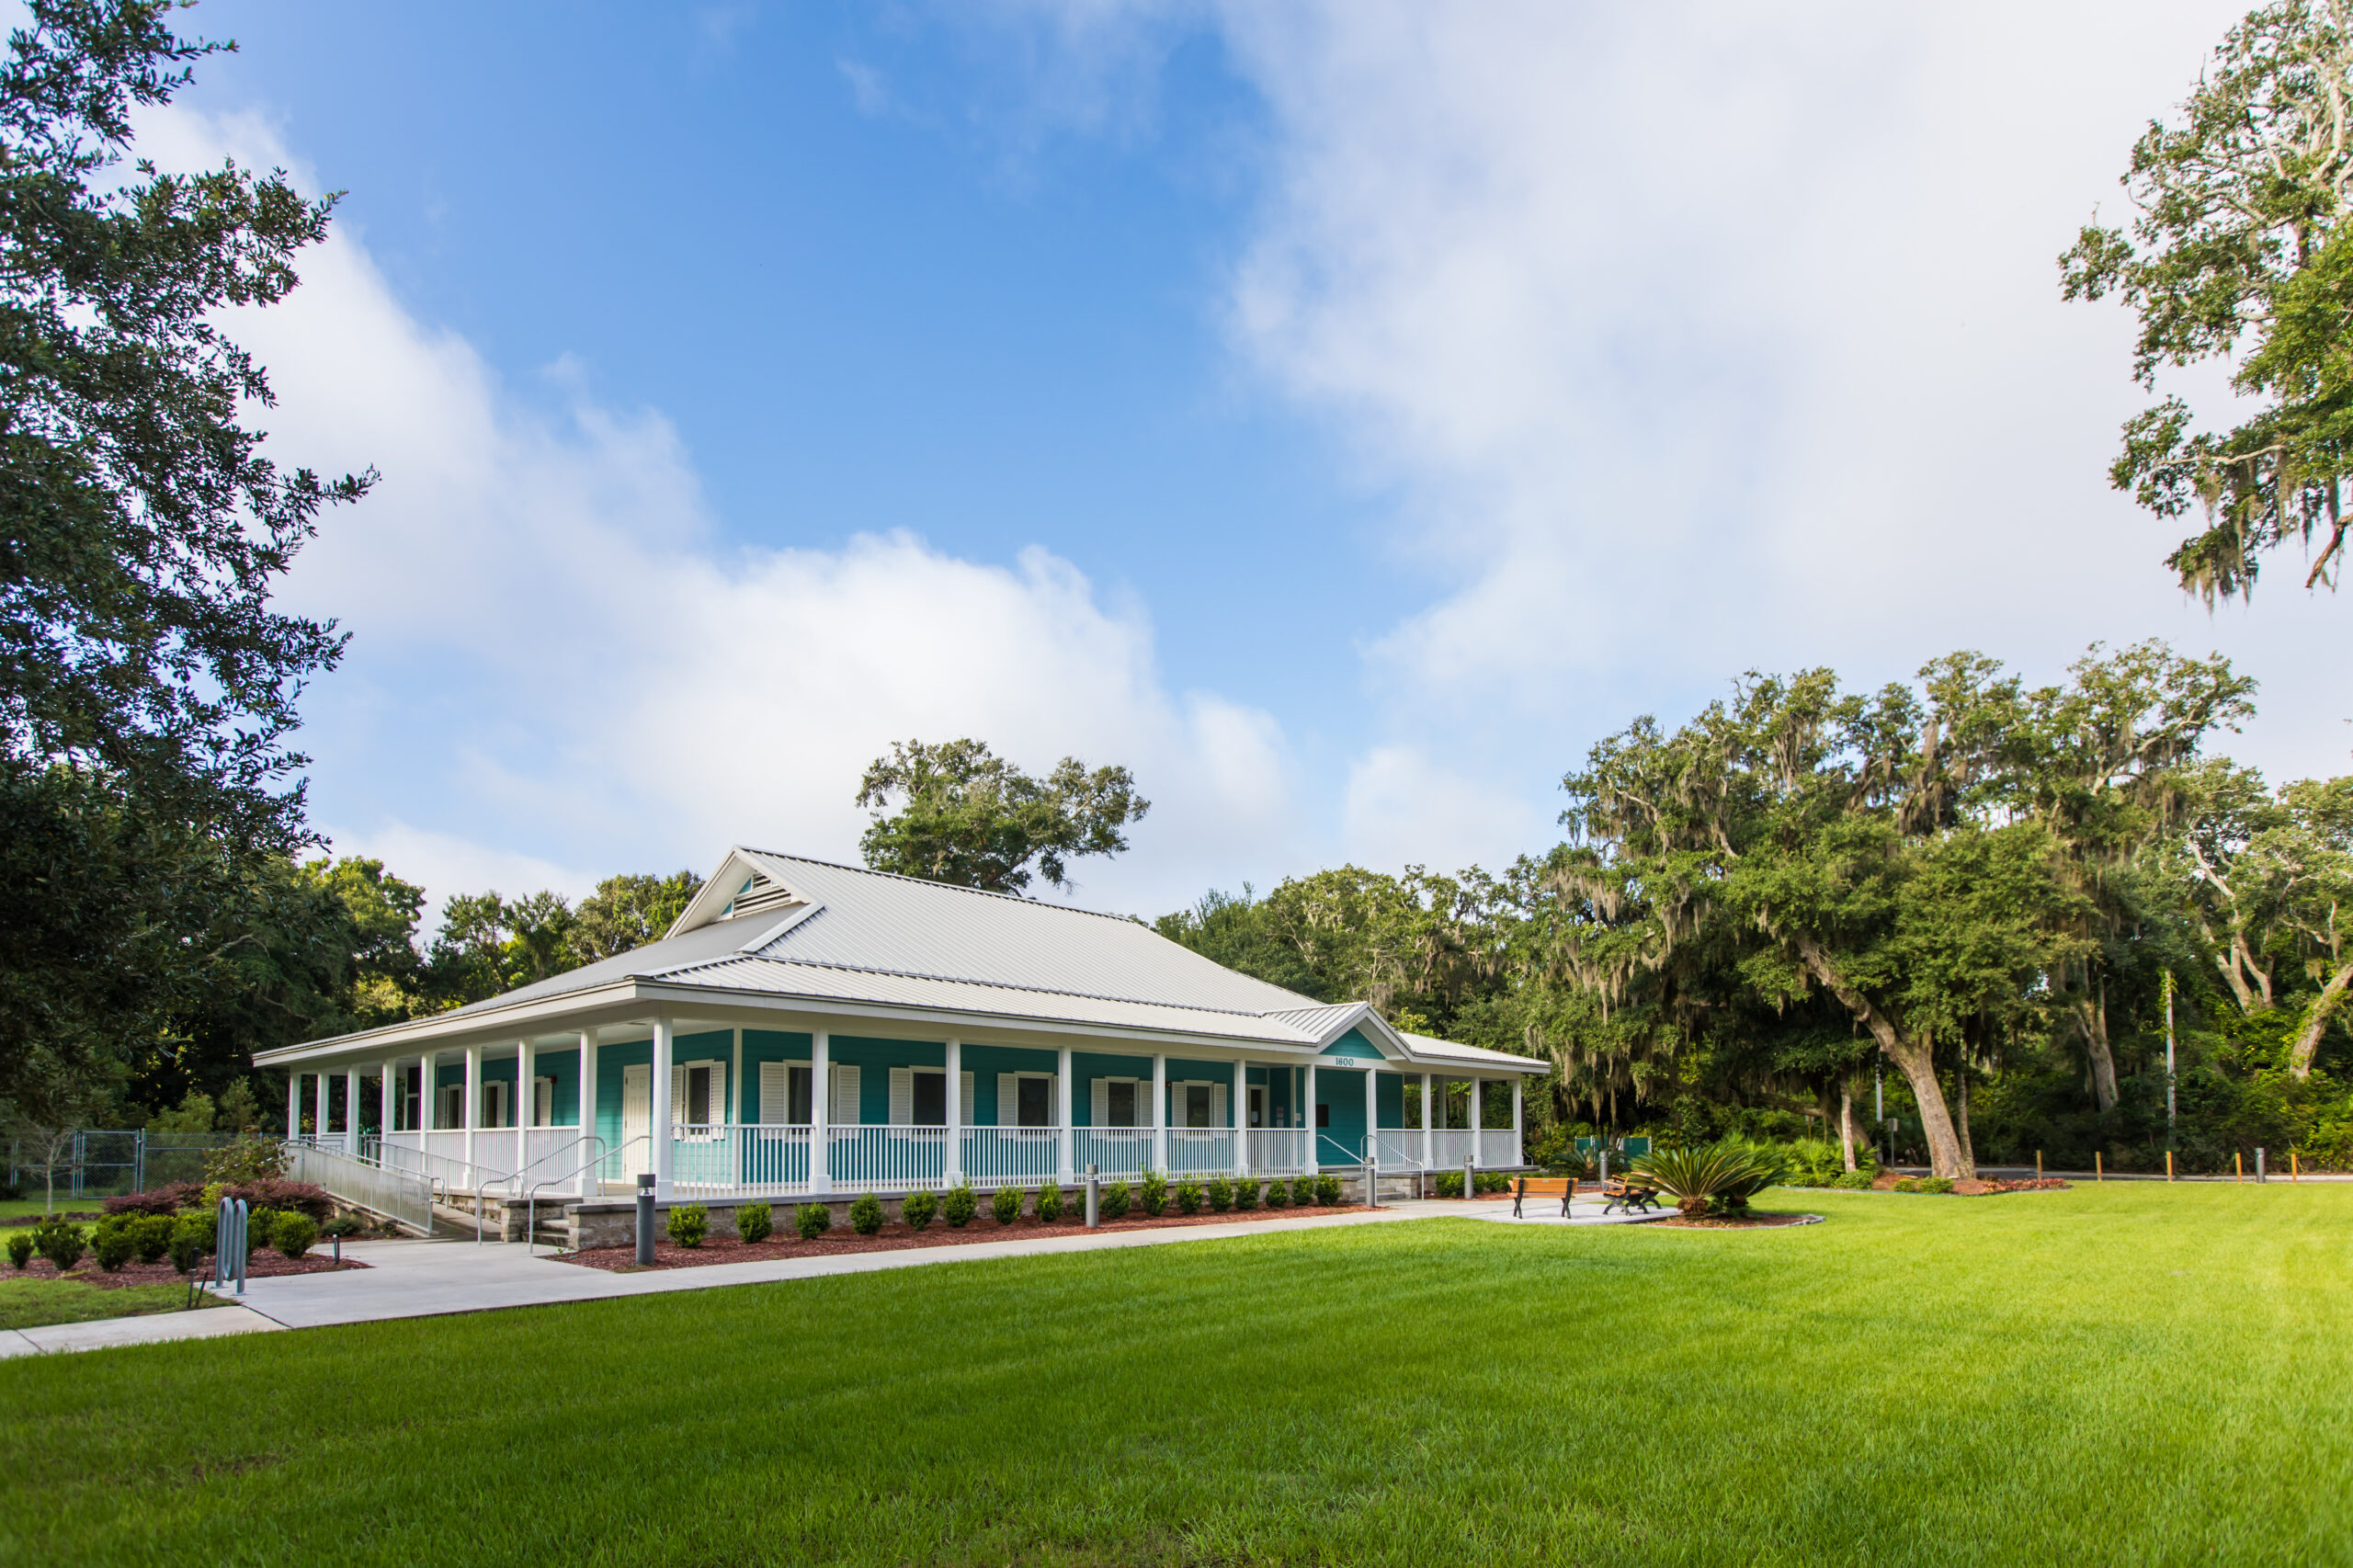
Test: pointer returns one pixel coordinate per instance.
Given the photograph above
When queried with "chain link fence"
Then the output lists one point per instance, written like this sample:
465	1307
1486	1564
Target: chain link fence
105	1162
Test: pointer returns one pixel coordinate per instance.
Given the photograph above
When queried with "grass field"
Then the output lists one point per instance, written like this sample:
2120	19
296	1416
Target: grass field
2109	1375
31	1303
15	1208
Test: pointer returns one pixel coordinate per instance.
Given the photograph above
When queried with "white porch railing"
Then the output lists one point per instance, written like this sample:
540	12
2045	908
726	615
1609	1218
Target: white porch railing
1120	1151
886	1158
1278	1150
1398	1149
1010	1156
755	1161
1450	1151
1200	1151
394	1193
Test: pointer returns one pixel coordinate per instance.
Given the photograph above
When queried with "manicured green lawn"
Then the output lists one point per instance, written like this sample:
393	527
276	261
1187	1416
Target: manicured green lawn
2111	1375
29	1303
14	1208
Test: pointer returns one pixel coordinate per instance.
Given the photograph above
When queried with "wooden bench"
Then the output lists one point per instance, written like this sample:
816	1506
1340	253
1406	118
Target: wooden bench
1543	1187
1633	1196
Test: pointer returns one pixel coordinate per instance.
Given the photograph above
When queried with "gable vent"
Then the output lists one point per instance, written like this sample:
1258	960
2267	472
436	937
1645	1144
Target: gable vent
757	894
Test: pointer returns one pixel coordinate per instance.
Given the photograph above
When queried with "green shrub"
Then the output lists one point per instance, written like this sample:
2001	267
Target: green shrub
247	1159
1155	1193
204	1224
293	1234
1302	1191
1246	1193
1189	1197
813	1220
343	1225
60	1240
260	1223
1449	1183
959	1206
866	1215
1852	1180
1050	1203
1328	1192
689	1223
1220	1194
1113	1200
1494	1181
188	1244
112	1244
752	1222
1279	1194
21	1247
917	1208
1005	1205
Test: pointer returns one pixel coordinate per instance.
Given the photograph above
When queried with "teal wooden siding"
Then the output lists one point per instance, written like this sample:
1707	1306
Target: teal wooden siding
759	1046
985	1062
1341	1092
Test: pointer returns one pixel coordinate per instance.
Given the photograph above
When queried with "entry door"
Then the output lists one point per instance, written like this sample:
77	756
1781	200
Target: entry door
637	1108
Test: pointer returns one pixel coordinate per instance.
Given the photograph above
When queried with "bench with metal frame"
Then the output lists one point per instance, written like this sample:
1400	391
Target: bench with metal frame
1629	1197
1543	1187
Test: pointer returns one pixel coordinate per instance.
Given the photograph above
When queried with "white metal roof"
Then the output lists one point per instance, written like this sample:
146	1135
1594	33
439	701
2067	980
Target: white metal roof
840	934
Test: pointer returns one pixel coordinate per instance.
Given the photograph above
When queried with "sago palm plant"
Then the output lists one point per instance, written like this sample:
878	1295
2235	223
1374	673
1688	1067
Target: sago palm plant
1717	1177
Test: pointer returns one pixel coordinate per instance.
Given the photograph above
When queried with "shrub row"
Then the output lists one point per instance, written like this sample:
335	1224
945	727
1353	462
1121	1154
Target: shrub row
184	1238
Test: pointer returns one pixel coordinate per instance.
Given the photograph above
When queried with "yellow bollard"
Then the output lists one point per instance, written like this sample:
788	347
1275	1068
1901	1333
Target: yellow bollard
2038	1165
2239	1166
2291	1167
2169	1165
2099	1173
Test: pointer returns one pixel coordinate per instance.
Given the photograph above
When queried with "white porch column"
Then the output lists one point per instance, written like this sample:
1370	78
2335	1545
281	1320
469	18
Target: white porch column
657	1123
821	1113
294	1103
391	1107
1159	1112
1425	1122
425	1109
585	1114
952	1158
320	1128
1518	1144
1063	1170
473	1112
527	1104
1314	1134
351	1110
1241	1106
1372	1110
1477	1116
734	1114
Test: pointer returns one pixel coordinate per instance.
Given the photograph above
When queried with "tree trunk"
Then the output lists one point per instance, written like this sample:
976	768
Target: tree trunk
1912	1058
1846	1121
2091	1016
1960	1108
2307	1046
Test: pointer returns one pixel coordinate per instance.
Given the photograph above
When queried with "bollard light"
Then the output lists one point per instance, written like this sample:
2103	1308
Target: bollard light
645	1219
1094	1196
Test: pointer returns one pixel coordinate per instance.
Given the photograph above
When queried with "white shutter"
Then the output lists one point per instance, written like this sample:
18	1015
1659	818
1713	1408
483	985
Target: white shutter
1100	1101
902	1096
678	1093
543	1102
720	1111
776	1091
964	1116
845	1111
1217	1095
1008	1100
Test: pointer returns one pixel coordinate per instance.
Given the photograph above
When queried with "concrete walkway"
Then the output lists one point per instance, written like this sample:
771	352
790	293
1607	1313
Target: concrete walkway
413	1278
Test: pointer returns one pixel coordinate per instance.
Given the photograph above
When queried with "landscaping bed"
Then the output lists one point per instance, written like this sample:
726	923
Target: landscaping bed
1735	1222
264	1265
897	1237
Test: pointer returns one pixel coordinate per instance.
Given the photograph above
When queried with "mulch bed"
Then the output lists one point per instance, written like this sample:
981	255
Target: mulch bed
1988	1189
266	1264
894	1237
1746	1222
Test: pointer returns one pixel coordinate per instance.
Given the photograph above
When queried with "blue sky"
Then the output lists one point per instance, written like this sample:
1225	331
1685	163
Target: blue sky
1343	413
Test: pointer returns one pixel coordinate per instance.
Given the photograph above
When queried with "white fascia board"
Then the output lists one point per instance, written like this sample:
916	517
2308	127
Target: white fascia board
628	1000
1396	1047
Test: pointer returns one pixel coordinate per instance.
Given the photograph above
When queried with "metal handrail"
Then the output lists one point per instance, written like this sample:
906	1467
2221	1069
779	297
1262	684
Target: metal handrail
510	1179
531	1200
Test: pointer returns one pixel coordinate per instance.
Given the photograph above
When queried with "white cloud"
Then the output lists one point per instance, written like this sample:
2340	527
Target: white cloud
1700	337
557	671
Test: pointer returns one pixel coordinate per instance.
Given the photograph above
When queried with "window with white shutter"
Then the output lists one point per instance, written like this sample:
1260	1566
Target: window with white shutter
903	1096
844	1109
1099	1101
677	1092
1008	1100
1219	1095
775	1092
1037	1101
543	1102
930	1108
964	1117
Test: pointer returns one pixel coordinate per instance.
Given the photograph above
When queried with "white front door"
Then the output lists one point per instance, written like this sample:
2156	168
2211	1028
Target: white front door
637	1114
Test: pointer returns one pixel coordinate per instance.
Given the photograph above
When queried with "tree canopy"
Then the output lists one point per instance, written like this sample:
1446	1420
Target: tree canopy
968	816
2238	250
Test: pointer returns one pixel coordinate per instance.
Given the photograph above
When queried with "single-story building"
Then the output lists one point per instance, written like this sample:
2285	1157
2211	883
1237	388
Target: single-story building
807	1029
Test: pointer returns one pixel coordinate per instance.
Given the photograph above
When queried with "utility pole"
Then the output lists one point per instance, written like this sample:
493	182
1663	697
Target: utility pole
2169	1059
